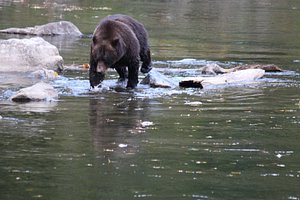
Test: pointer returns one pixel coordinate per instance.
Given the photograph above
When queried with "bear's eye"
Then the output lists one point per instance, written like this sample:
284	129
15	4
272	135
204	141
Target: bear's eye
115	42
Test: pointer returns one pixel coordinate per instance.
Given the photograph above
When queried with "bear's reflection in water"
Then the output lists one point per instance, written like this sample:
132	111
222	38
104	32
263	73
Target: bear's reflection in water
116	124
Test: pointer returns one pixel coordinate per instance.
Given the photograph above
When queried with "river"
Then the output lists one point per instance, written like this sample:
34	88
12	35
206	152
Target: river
237	141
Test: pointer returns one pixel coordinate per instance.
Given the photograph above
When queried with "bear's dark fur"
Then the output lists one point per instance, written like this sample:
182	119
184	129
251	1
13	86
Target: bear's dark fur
119	42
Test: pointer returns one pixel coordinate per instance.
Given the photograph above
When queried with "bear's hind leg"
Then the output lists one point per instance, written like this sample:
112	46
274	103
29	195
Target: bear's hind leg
146	59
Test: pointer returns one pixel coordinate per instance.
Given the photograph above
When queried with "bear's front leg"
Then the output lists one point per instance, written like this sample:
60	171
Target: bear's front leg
123	74
133	73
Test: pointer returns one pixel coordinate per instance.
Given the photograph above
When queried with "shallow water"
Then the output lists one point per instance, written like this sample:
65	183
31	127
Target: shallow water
236	141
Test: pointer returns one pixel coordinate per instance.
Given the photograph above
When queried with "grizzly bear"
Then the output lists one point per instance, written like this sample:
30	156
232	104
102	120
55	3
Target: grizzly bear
119	42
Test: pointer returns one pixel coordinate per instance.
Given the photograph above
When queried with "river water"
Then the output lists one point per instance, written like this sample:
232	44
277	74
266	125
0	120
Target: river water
229	142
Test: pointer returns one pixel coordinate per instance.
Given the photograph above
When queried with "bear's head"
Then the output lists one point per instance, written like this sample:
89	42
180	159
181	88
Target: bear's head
107	48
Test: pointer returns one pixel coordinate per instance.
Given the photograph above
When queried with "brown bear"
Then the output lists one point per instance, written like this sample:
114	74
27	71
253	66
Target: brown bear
119	42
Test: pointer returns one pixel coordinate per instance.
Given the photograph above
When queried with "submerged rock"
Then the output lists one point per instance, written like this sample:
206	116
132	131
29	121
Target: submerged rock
27	55
155	79
38	92
232	77
51	29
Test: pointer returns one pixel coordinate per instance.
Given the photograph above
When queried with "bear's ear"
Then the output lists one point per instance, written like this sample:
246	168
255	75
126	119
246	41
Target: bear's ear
94	40
115	42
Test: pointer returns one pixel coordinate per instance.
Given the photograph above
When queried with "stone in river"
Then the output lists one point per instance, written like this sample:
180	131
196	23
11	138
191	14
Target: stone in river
157	80
38	92
50	29
28	55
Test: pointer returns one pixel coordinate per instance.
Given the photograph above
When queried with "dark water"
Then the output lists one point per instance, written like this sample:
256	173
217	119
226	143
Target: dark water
235	142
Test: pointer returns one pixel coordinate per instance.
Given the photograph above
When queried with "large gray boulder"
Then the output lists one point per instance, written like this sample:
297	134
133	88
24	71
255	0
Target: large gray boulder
27	55
51	29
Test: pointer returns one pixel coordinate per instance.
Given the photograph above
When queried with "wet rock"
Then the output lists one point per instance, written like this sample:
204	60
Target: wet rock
212	69
155	79
215	69
38	92
45	74
232	77
267	68
51	29
27	55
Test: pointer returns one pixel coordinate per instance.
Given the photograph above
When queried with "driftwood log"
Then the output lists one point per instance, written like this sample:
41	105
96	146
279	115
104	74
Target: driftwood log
228	78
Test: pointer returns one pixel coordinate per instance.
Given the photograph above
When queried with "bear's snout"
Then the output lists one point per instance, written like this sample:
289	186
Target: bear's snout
96	78
97	73
101	67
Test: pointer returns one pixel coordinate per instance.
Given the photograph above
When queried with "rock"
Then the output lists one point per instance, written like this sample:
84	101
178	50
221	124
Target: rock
267	68
232	77
51	29
212	69
27	55
45	74
155	79
38	92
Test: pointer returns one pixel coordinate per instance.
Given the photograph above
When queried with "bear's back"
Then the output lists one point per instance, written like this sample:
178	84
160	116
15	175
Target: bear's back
137	28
